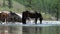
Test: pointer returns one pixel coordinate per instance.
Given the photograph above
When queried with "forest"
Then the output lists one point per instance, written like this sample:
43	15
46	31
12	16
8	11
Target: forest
50	9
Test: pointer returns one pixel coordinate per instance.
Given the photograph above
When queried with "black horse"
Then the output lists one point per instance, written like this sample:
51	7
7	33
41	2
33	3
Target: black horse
27	14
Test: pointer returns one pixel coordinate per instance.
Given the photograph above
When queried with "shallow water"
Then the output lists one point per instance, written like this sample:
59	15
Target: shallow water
42	30
52	27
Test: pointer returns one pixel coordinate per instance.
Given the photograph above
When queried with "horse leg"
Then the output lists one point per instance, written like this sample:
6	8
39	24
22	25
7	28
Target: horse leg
35	20
24	20
5	20
40	21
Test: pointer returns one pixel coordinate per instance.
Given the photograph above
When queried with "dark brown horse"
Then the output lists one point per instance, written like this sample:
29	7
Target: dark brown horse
27	14
13	17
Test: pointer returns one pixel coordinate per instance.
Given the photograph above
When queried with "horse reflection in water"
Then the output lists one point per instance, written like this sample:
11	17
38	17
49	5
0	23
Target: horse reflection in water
27	14
10	17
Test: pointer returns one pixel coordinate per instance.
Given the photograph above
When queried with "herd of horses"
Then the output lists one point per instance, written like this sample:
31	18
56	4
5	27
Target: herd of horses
13	17
9	17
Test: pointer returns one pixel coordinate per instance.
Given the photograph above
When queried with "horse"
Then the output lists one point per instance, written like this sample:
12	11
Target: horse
13	17
10	17
27	14
3	16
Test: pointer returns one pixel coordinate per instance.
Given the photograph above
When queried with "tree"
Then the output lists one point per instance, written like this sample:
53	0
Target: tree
10	4
57	10
29	7
3	3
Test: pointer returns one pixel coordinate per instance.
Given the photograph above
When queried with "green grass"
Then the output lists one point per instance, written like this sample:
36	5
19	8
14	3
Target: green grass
17	7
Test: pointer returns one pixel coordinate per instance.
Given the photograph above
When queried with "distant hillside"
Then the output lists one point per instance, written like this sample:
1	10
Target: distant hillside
17	7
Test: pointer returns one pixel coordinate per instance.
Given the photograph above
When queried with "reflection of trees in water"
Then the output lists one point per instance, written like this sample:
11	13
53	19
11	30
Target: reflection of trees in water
32	30
4	30
29	30
10	30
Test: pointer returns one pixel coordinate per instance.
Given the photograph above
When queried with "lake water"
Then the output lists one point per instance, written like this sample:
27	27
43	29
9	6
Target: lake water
47	27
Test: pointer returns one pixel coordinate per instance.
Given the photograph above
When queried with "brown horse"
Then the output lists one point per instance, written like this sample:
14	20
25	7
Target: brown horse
3	16
10	17
35	15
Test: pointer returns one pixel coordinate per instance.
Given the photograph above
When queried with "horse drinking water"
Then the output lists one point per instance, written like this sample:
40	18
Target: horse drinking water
27	14
10	17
